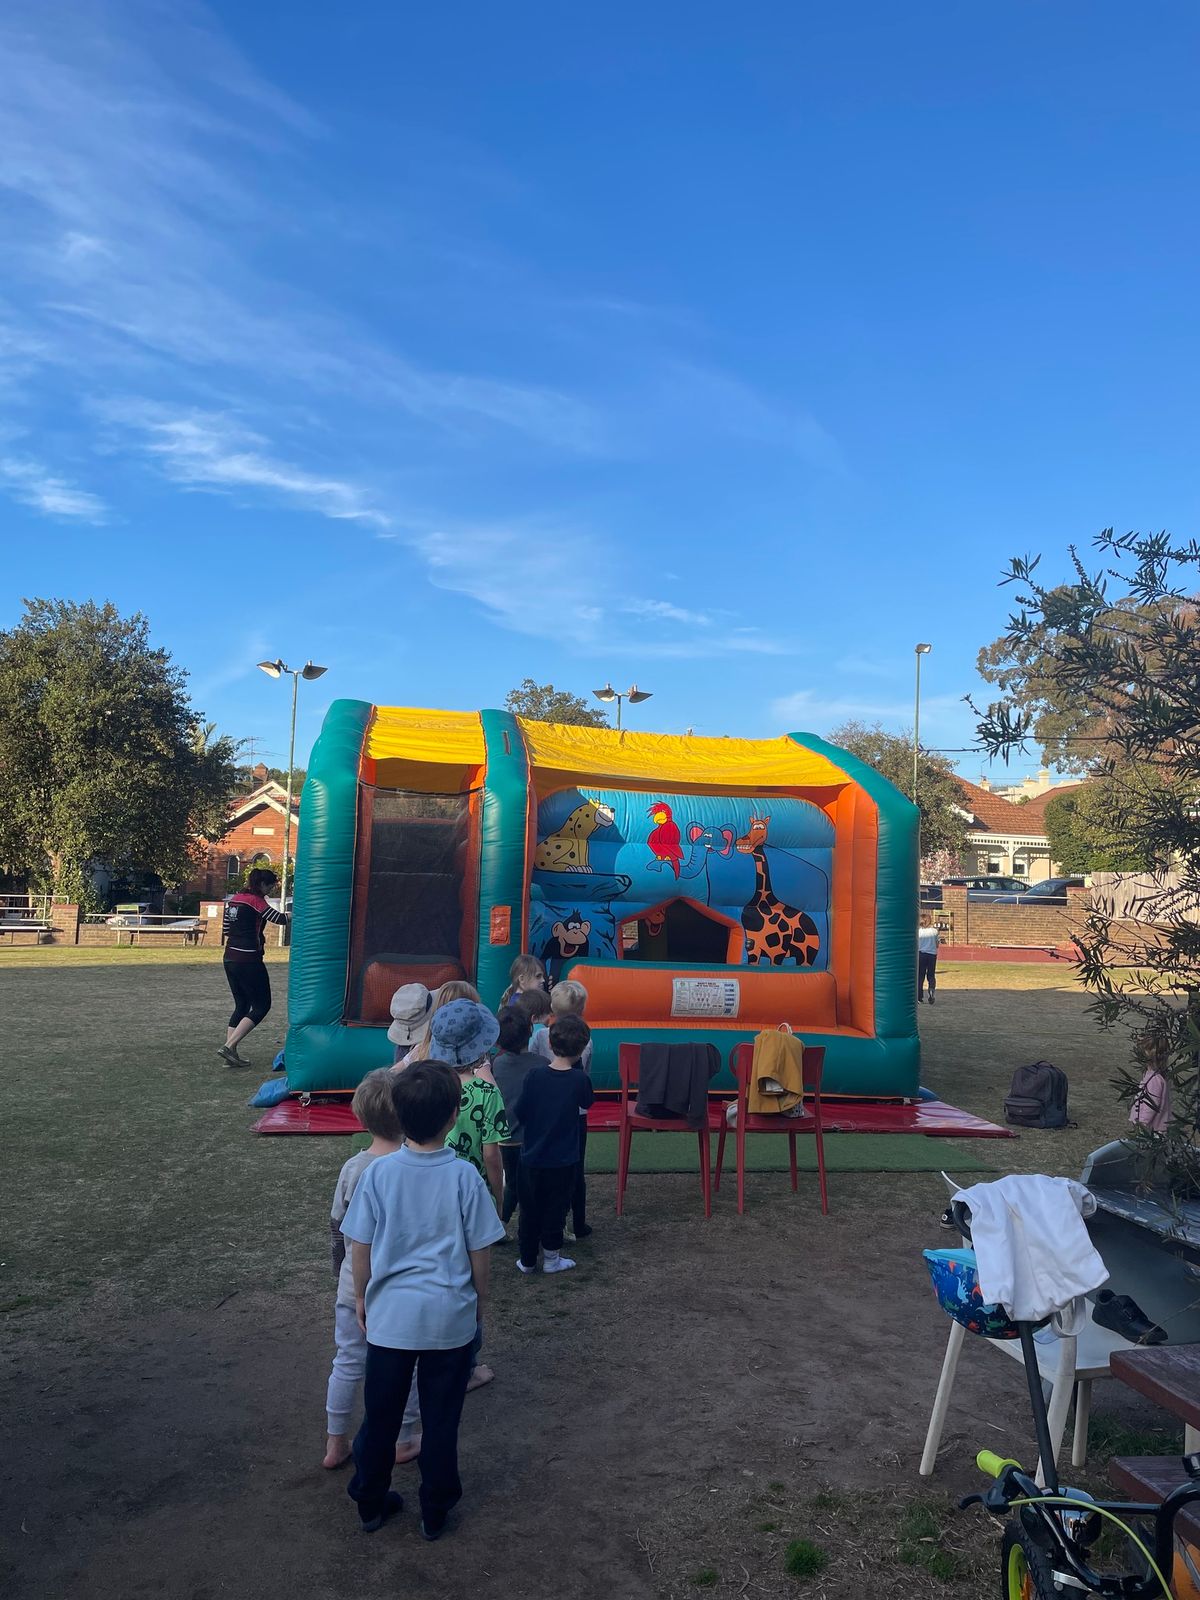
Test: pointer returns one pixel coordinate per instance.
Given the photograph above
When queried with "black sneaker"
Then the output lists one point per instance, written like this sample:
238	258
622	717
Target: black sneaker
584	1232
231	1058
393	1503
1126	1317
433	1527
932	1001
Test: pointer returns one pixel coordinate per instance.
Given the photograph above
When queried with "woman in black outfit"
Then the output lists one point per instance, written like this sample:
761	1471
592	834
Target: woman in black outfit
246	917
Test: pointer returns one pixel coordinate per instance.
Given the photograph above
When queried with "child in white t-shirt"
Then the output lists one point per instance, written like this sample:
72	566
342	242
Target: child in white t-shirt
927	953
374	1108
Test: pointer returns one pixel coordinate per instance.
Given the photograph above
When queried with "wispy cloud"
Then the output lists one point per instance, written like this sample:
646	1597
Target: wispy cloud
169	289
140	148
33	485
211	452
667	611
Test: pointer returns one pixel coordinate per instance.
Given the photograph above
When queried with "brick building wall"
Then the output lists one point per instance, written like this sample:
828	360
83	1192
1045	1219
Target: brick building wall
965	921
258	833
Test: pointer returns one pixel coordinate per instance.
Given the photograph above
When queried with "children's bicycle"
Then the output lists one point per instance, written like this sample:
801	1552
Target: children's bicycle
1051	1533
1048	1544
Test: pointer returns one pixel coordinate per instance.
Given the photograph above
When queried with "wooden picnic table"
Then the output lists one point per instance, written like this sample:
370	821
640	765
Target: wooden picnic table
1168	1374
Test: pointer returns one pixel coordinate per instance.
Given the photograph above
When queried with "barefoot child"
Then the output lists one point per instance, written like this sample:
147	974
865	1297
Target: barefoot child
421	1223
569	999
372	1105
548	1109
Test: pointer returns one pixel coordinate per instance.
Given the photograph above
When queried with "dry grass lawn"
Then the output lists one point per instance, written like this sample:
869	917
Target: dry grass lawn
733	1407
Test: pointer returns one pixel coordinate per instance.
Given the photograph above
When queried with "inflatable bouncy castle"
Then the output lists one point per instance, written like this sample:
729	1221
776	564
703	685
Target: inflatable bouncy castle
699	888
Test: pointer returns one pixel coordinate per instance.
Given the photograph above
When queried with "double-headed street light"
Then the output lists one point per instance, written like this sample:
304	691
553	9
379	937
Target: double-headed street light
276	669
634	695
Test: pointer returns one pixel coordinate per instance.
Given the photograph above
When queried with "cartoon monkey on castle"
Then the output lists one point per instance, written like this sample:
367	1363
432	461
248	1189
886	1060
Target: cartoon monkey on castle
568	941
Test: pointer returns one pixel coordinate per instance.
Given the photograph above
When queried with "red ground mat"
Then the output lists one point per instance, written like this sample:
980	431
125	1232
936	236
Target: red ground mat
934	1118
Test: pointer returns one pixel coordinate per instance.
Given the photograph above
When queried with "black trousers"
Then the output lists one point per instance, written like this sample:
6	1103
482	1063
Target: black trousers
441	1385
510	1154
251	989
545	1196
579	1191
926	971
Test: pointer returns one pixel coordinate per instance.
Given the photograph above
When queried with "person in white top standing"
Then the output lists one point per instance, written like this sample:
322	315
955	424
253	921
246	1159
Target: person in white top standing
927	952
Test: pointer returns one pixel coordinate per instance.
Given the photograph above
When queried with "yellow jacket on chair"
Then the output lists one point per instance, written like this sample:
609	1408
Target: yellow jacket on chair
777	1074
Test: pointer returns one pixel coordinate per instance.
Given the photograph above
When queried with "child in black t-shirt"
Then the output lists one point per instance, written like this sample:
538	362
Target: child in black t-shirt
548	1108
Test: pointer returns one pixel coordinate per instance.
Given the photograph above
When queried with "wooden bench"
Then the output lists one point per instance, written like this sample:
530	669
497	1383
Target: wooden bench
1150	1479
1168	1374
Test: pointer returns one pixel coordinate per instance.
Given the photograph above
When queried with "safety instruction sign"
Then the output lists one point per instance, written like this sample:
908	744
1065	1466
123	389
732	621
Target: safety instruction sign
705	997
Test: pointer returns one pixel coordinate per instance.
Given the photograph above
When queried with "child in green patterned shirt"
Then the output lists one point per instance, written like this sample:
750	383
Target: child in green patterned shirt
461	1034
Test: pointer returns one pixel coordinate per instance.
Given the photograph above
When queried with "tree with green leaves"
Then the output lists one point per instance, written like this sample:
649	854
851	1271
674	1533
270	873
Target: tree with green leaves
1088	827
1121	644
939	798
542	702
103	759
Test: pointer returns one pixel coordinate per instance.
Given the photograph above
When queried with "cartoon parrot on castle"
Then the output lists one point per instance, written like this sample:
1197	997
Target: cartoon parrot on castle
664	840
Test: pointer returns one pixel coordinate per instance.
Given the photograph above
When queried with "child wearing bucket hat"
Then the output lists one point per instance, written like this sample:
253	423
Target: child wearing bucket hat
411	1005
461	1034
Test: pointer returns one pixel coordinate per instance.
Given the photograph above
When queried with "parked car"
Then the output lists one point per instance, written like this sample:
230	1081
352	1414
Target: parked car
1051	891
986	886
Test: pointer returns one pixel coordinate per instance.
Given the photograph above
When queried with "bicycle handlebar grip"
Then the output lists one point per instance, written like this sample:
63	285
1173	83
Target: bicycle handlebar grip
993	1465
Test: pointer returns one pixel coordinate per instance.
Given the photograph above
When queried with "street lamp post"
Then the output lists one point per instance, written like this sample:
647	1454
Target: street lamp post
634	695
920	650
276	669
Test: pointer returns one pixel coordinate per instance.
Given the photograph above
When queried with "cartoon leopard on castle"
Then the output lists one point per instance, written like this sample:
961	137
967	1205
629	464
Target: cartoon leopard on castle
566	850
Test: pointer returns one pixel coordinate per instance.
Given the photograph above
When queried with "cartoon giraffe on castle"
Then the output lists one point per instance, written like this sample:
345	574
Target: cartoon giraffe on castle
775	931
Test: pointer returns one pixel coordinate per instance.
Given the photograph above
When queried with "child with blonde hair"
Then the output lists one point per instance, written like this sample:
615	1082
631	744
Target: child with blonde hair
374	1108
569	999
526	973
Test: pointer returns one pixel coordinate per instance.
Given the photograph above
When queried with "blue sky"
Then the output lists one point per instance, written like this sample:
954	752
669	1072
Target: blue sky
728	351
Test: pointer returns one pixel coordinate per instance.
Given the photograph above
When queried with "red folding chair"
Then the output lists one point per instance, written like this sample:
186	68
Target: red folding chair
628	1060
741	1061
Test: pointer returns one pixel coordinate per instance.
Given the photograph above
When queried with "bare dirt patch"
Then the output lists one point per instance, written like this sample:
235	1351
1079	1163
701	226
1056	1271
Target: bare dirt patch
670	1420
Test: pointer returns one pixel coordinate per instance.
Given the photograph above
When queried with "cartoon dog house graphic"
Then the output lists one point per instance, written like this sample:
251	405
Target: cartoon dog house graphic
699	888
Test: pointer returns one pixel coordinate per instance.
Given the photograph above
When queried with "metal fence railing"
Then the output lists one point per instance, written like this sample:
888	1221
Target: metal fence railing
138	924
26	911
